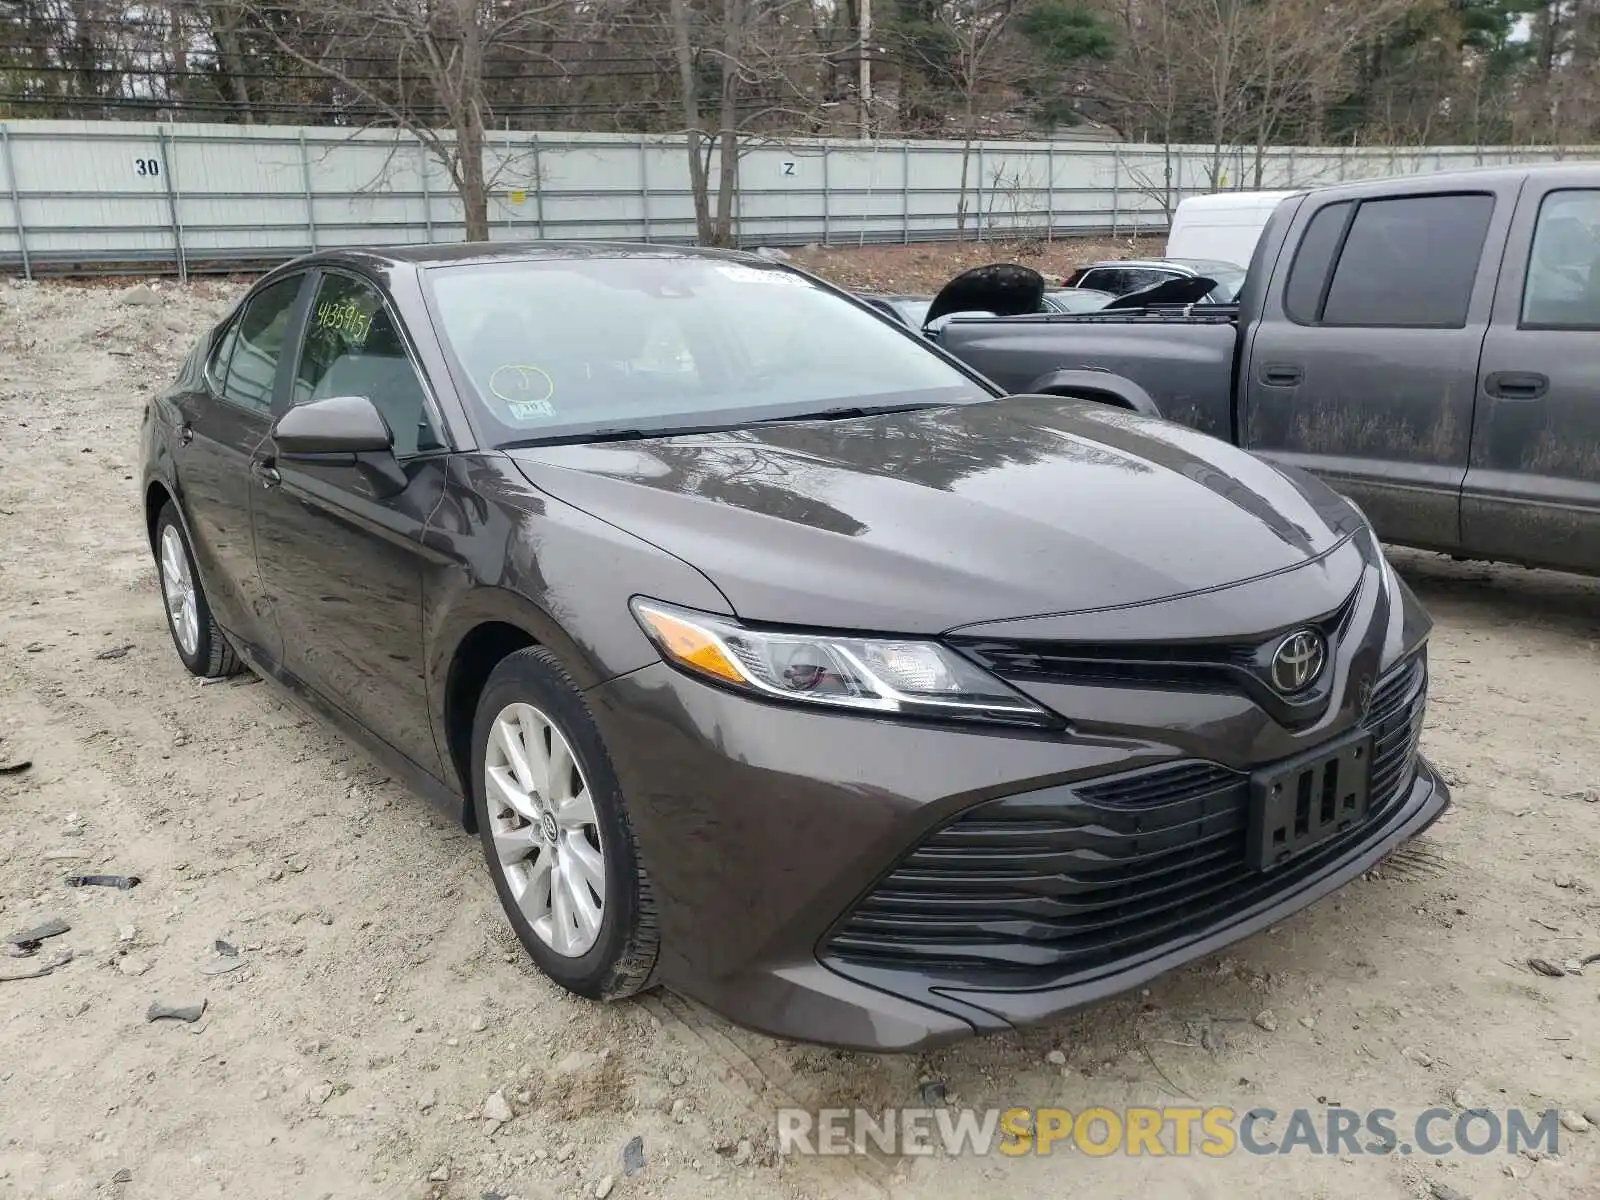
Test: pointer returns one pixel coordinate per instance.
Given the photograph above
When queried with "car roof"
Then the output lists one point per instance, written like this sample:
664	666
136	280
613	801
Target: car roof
1195	265
1467	176
1169	263
441	254
1579	172
1204	264
1245	199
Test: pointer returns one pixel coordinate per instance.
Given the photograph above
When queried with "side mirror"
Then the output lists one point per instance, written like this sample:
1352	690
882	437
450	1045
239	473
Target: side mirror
341	431
339	425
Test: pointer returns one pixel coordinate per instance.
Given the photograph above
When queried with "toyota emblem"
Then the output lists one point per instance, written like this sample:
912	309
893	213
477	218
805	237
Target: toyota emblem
1298	661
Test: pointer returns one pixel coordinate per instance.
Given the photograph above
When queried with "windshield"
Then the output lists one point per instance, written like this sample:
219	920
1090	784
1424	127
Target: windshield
563	347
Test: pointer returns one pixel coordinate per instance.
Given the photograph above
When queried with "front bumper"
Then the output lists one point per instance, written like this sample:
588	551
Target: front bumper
763	828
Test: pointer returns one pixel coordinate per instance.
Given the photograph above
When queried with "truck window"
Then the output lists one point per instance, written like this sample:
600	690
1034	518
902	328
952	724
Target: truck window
1410	262
1563	288
1302	296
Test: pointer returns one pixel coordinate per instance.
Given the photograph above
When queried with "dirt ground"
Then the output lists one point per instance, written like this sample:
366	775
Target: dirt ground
381	998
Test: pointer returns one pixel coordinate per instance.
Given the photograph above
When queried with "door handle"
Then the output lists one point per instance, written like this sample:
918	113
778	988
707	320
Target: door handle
1275	375
185	433
263	470
1517	385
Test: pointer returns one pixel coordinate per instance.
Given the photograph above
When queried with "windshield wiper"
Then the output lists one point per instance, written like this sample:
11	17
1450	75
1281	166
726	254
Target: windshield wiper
613	435
845	413
622	434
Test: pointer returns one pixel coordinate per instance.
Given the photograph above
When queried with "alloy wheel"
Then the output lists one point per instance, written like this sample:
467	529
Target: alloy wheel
543	826
177	587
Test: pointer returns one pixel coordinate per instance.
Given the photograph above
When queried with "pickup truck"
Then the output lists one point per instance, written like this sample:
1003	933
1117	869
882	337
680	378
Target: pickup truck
1430	346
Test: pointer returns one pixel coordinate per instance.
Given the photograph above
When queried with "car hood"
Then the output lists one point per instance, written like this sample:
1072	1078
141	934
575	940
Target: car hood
917	522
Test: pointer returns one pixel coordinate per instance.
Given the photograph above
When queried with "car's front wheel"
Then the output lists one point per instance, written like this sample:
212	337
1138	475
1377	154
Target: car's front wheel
556	833
202	646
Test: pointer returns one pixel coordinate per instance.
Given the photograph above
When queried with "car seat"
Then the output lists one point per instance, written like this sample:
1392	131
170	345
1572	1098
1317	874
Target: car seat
379	370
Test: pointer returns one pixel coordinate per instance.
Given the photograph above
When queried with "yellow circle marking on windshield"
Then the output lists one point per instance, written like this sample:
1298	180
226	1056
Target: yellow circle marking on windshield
519	382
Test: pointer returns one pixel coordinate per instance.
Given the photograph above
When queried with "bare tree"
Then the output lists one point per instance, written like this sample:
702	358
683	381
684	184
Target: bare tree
1149	91
965	55
222	24
693	126
1299	53
766	66
437	90
1241	75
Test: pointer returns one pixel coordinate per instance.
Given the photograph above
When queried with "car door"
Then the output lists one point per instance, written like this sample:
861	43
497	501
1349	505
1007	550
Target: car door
224	422
341	565
1532	491
1363	365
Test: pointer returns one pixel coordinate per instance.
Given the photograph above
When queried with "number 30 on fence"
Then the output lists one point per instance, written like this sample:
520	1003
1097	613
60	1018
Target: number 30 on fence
147	166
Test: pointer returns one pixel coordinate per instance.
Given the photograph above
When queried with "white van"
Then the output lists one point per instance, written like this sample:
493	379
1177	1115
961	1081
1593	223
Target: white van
1223	226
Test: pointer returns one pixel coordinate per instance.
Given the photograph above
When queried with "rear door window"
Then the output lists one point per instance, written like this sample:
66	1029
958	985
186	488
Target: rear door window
258	344
1563	288
1302	297
1410	262
217	364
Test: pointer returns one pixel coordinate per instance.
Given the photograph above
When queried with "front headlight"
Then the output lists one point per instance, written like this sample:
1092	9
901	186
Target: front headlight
899	676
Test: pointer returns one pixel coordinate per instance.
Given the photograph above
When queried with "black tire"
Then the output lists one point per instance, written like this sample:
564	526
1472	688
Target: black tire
623	958
212	657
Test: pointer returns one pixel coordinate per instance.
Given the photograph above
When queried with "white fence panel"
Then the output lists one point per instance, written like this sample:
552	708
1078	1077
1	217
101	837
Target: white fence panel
139	196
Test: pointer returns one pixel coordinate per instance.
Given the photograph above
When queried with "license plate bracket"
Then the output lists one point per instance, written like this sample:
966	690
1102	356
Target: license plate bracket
1298	804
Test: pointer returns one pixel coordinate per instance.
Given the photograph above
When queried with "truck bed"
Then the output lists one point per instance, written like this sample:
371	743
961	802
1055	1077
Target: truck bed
1183	358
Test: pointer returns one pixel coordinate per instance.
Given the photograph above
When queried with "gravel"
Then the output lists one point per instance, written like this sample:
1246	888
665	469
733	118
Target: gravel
236	781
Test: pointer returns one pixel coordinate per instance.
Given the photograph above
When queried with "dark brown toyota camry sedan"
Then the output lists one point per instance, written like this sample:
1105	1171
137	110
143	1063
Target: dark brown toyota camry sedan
775	656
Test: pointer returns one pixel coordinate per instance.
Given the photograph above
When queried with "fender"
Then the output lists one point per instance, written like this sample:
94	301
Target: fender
453	617
159	467
1087	383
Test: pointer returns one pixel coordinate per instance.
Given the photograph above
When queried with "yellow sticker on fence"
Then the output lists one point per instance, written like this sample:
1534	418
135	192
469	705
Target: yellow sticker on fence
519	197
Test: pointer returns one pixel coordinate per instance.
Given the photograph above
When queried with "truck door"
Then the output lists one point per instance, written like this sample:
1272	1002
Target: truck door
1532	492
1363	365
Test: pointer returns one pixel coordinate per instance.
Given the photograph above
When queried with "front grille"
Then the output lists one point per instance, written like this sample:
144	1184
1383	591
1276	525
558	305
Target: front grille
1238	666
1144	788
1020	891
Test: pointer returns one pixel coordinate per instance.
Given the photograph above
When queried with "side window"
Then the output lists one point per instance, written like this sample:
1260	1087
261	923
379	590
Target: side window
353	348
1410	262
1563	288
1108	279
217	364
1313	261
257	342
1139	280
1119	281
